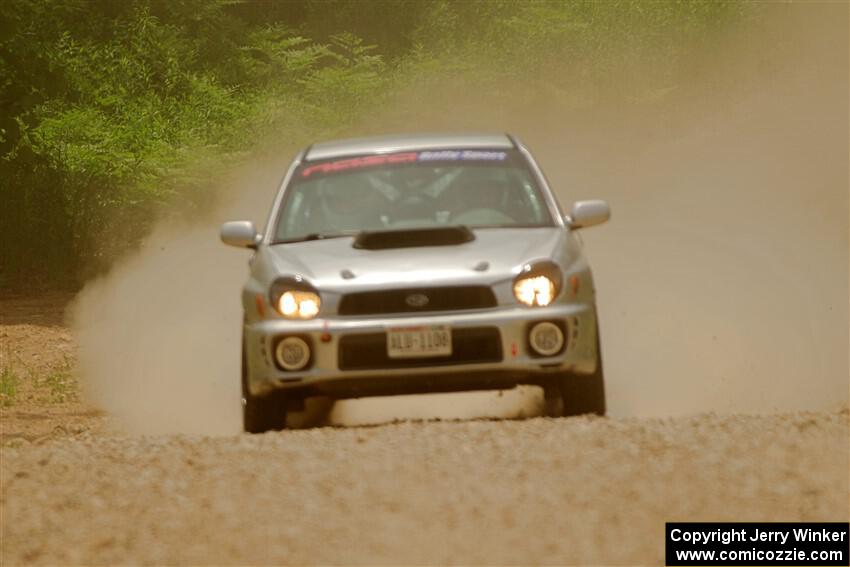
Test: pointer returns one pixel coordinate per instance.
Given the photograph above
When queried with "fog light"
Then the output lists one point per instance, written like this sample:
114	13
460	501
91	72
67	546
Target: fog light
546	338
292	353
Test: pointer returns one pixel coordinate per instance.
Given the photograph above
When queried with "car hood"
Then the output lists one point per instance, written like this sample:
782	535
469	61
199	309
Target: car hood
494	254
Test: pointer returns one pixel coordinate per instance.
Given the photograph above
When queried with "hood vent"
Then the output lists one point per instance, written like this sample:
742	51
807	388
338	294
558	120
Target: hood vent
413	238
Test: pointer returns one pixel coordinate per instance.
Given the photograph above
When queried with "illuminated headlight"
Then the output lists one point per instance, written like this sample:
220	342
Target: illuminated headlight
537	285
538	290
295	299
299	304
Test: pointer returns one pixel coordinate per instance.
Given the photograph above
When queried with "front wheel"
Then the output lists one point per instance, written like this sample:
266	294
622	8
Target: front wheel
261	413
585	393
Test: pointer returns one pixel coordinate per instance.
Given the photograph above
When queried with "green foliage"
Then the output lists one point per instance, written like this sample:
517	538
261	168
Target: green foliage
140	99
112	111
8	386
338	92
583	48
57	386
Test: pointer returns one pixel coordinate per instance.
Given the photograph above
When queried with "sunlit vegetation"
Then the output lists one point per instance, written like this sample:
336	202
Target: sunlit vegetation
9	382
111	112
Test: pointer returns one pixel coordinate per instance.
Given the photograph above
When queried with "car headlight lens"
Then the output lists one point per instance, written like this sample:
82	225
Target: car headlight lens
295	299
537	285
535	291
299	304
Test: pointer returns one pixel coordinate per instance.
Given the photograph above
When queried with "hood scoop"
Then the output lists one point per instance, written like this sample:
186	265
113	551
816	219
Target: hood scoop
413	238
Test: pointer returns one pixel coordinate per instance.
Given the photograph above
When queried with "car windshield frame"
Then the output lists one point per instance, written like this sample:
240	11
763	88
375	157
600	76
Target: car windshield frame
481	157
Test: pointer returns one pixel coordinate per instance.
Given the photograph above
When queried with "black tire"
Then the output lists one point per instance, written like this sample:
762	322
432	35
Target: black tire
261	413
553	400
585	393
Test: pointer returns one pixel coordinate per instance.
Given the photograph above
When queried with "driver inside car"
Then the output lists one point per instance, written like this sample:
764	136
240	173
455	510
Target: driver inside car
350	203
475	198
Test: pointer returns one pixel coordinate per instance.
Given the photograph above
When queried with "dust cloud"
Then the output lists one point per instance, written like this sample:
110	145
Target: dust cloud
159	336
722	278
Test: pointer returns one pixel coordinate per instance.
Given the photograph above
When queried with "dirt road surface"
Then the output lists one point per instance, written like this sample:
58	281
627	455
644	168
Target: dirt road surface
535	491
74	490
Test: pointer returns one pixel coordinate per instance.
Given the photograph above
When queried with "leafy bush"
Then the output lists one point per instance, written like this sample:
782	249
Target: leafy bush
115	111
8	386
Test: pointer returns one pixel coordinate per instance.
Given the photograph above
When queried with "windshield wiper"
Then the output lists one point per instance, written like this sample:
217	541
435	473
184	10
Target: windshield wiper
313	236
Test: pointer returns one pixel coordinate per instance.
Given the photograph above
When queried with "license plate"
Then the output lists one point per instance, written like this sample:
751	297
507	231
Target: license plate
419	342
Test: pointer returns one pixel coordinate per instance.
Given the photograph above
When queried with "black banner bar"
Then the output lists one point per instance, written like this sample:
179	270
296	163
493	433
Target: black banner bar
753	543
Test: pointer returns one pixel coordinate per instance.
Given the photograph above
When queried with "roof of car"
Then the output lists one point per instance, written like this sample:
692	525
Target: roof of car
403	143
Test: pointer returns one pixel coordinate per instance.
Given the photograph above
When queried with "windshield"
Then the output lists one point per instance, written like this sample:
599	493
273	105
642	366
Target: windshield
475	188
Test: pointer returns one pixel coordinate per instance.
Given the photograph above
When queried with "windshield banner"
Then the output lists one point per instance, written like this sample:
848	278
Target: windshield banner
406	157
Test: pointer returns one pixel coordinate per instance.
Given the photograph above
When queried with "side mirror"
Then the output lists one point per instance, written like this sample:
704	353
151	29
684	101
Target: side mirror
588	213
241	234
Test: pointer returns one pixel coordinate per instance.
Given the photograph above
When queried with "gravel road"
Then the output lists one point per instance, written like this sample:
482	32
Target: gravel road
535	491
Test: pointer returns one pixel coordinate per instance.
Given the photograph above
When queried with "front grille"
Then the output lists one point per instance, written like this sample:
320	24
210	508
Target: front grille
368	351
397	300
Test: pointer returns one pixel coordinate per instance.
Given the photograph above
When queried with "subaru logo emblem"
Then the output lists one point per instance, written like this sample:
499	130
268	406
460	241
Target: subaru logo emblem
416	300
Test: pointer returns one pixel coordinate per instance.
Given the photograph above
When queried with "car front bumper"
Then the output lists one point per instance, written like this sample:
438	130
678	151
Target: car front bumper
509	326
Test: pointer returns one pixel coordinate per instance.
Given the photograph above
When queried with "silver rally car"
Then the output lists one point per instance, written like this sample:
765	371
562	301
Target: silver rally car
412	264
